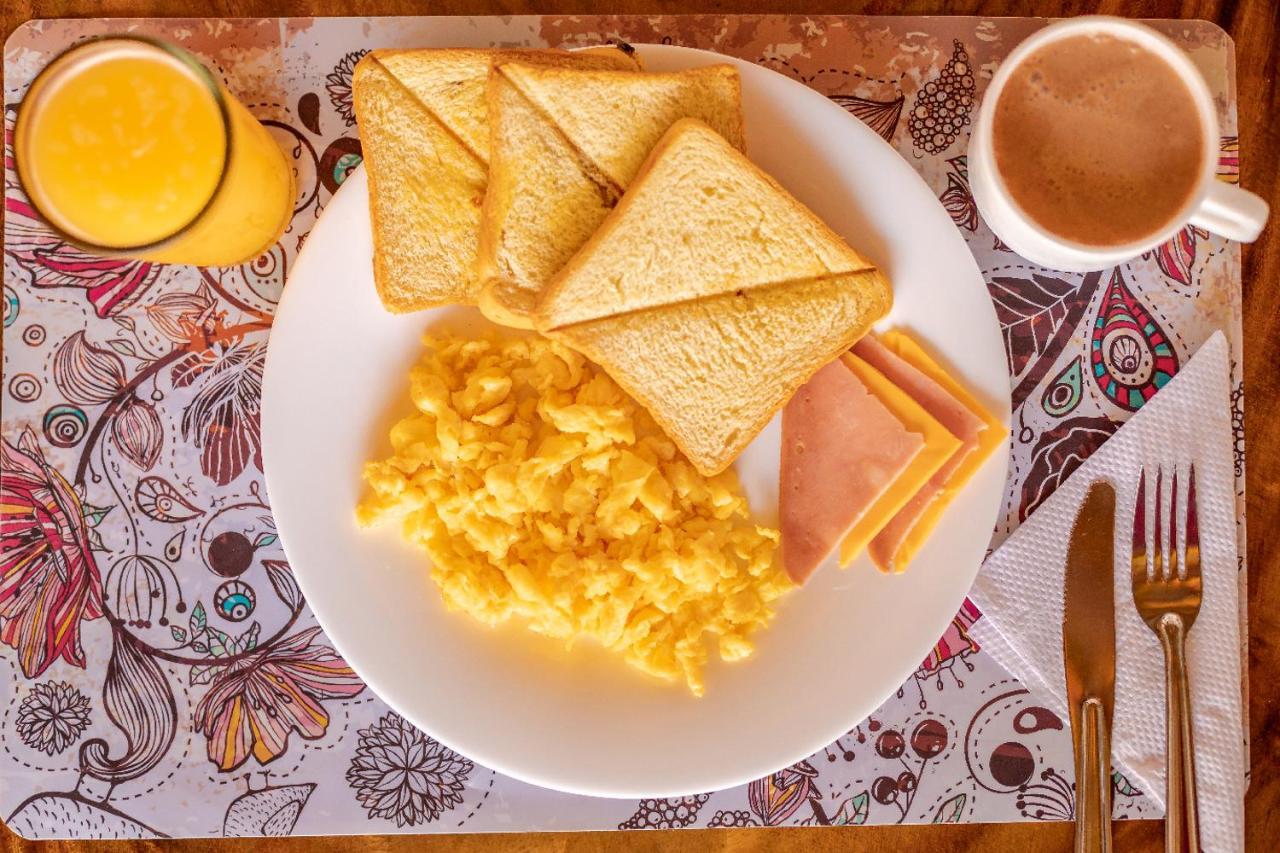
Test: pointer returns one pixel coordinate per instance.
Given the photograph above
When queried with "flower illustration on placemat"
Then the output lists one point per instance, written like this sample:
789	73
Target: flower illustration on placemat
951	650
185	317
777	796
87	374
137	432
880	116
52	716
1177	256
401	774
1049	798
111	285
957	198
255	703
49	580
338	84
224	417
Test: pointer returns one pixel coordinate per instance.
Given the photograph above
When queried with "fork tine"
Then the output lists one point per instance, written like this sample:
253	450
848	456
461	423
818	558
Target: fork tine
1193	528
1138	563
1173	527
1157	546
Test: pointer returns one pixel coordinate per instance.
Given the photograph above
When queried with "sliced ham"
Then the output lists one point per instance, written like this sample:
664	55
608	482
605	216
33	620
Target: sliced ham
841	449
951	412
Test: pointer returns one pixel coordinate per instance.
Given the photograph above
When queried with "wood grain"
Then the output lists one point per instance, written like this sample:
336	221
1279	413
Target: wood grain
1254	25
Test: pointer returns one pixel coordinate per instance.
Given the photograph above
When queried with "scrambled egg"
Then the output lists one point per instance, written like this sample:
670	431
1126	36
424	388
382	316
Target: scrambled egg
541	491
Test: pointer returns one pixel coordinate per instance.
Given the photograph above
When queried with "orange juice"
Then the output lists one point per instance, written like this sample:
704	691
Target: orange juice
130	147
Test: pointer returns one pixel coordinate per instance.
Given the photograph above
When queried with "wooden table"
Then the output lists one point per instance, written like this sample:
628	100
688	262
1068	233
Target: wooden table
1255	26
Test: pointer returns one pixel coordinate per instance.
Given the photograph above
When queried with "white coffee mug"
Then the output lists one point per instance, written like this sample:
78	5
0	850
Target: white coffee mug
1215	206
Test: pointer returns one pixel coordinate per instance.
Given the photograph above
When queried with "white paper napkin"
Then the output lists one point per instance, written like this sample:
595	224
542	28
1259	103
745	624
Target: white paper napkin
1020	592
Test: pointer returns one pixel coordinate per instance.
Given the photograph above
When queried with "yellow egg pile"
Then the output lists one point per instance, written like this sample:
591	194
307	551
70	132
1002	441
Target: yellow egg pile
541	491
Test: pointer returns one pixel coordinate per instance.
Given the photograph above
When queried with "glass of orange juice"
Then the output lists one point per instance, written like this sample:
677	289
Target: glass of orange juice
130	147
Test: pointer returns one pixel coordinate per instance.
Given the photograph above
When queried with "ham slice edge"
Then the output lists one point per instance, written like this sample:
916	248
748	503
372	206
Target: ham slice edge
841	449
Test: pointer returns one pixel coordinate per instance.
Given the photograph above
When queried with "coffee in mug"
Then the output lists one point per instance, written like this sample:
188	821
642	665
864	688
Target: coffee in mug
1096	141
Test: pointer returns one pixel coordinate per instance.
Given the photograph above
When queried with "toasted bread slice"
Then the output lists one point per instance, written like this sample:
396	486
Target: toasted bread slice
424	133
449	84
615	118
715	332
565	144
713	371
424	185
710	221
540	200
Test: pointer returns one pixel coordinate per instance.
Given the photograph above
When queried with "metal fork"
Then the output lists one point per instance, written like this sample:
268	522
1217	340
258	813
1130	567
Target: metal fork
1168	601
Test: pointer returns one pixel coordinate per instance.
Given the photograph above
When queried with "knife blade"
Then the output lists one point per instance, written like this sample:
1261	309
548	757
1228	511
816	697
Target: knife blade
1089	652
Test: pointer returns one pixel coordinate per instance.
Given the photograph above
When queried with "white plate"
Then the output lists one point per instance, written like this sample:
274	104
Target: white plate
337	377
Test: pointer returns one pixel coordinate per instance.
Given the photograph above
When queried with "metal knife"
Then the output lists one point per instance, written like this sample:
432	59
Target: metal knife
1089	649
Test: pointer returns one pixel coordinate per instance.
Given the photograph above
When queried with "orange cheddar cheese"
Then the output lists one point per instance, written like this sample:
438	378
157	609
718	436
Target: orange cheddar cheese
940	445
980	433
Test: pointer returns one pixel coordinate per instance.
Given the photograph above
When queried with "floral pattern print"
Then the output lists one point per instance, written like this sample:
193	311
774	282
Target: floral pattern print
338	85
110	285
137	433
777	797
49	582
400	774
254	704
1177	255
223	419
184	317
52	717
153	640
88	374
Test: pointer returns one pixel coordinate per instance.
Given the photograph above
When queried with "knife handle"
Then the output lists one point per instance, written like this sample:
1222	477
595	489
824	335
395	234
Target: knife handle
1181	822
1093	781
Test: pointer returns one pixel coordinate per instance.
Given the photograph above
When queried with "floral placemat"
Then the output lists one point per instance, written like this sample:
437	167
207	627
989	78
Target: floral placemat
160	673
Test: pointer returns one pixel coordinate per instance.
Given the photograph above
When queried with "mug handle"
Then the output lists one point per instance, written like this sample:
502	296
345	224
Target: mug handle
1231	212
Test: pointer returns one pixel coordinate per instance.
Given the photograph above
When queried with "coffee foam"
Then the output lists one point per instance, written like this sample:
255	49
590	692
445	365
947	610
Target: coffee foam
1098	140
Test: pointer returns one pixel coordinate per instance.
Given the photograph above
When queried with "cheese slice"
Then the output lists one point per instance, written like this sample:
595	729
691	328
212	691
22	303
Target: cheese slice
996	433
939	446
842	448
981	434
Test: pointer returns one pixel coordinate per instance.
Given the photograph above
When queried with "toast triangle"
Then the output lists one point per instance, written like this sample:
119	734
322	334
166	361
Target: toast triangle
700	219
713	371
424	192
564	145
423	119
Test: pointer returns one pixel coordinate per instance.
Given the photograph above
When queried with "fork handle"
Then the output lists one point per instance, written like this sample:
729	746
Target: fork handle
1182	831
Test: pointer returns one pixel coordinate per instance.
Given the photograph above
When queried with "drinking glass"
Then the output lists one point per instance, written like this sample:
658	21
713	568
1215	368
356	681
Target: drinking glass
129	147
